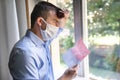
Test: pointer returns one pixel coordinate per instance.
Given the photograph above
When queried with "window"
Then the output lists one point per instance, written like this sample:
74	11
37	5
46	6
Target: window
104	39
98	23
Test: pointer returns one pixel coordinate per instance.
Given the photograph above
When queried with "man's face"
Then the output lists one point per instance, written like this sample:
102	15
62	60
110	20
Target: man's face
55	21
52	19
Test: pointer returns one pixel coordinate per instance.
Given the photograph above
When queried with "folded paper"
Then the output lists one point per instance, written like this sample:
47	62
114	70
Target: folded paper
80	50
75	54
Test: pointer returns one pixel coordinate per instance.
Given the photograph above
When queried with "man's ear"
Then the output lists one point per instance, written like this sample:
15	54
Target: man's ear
39	21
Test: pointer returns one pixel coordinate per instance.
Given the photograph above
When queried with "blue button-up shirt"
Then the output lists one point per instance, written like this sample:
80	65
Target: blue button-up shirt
30	59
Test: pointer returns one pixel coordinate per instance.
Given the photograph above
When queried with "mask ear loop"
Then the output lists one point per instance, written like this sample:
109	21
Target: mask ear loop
44	22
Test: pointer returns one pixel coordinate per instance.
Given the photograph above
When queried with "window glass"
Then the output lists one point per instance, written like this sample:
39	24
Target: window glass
104	39
66	38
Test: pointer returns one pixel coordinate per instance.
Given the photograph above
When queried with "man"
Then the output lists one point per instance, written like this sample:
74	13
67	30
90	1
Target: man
30	57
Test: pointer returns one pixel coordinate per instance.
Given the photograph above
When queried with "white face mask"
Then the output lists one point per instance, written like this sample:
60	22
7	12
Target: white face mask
50	32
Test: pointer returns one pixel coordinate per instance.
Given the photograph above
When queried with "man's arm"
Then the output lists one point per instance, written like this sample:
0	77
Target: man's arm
22	65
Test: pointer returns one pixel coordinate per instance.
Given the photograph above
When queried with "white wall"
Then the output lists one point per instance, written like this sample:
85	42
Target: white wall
3	45
9	32
8	35
22	17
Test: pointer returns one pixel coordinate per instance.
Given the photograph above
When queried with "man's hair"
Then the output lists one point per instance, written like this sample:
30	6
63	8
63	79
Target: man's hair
42	10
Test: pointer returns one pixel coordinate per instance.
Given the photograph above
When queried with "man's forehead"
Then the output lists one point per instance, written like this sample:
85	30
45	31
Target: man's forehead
52	12
52	15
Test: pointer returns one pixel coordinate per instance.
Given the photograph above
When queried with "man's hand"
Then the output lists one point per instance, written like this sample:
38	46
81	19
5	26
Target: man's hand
66	13
64	19
70	73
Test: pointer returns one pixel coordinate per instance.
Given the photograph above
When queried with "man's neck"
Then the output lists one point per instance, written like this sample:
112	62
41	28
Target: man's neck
36	31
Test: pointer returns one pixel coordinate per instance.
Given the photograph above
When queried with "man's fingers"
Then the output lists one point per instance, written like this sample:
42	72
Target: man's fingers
75	67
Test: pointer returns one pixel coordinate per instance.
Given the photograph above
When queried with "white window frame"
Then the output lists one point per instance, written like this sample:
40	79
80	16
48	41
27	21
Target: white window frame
81	31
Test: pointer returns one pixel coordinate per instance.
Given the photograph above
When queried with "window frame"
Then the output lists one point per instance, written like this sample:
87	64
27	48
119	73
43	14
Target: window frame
81	31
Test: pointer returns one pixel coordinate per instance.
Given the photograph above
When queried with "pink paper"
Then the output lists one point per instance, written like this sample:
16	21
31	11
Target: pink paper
80	50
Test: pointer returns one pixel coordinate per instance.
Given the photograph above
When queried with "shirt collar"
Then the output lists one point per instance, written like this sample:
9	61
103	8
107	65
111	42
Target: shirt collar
35	39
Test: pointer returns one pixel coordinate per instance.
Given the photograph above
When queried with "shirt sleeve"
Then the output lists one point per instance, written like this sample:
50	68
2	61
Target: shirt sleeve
22	65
